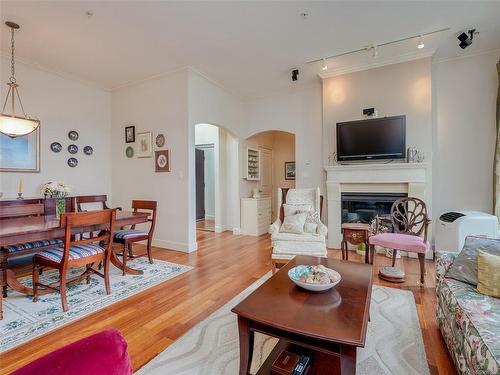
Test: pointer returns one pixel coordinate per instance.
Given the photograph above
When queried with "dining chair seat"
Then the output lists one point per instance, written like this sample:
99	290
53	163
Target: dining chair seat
33	245
75	252
400	241
127	234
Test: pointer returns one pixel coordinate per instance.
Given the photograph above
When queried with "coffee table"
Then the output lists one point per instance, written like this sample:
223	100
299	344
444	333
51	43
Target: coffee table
326	326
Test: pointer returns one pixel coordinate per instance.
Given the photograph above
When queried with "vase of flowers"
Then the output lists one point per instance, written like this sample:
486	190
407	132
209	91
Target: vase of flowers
59	191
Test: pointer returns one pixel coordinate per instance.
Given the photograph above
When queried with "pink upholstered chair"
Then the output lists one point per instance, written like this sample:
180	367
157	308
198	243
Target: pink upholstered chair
410	221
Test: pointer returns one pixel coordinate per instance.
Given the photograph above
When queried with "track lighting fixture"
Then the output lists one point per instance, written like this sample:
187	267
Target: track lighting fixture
420	44
324	67
295	75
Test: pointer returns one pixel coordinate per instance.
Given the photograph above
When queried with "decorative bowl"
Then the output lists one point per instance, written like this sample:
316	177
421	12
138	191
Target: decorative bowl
296	272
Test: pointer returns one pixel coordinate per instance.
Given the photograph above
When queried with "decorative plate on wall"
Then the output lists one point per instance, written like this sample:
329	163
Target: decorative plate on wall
56	147
72	149
73	135
129	151
160	140
88	150
72	162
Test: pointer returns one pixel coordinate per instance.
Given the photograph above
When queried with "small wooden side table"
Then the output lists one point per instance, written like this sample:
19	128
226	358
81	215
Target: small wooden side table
355	234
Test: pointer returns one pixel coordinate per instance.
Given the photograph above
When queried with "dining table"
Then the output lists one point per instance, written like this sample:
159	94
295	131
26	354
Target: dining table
45	227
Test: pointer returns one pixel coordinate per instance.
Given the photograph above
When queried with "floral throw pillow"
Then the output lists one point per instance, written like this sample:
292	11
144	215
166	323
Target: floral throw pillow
312	221
464	267
294	223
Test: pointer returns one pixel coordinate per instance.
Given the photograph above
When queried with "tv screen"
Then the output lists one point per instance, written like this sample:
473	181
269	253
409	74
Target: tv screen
372	139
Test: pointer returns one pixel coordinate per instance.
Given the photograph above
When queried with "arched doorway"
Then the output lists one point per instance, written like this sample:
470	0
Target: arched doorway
276	150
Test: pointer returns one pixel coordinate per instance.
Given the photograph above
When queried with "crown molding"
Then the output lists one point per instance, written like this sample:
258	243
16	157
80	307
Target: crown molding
153	77
377	64
465	56
205	76
53	71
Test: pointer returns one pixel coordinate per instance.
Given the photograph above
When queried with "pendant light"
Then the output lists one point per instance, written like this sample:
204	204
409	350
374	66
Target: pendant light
10	124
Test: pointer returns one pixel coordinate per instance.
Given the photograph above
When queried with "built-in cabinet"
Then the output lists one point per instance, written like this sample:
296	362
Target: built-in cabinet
253	164
255	216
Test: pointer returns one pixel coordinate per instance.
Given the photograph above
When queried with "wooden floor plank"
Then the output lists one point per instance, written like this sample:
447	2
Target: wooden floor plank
224	266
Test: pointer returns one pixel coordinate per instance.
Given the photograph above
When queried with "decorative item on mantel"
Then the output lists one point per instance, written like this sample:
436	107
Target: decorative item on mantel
20	189
59	191
414	155
332	159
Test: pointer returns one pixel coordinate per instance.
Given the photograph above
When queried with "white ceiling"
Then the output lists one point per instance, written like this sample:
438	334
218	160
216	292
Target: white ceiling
249	47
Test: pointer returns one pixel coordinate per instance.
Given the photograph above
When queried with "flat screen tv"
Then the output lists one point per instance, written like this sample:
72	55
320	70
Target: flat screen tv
372	139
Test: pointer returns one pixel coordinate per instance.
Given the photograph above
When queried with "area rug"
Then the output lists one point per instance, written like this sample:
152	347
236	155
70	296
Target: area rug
23	320
394	342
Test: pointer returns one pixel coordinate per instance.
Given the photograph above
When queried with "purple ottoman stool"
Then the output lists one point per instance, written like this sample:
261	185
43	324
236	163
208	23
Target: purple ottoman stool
102	353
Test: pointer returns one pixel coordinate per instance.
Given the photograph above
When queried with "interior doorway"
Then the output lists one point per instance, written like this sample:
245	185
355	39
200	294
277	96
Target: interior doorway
216	176
277	165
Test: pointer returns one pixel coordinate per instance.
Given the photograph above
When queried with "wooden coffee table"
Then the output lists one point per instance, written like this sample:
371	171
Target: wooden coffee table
326	326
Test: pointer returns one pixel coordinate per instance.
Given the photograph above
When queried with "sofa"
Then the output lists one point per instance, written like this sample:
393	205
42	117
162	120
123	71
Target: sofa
469	322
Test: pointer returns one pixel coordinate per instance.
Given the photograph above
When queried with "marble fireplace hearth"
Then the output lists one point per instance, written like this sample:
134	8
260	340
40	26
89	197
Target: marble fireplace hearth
412	179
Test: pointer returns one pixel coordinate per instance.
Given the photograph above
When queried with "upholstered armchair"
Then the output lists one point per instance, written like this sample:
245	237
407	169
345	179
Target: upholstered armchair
309	240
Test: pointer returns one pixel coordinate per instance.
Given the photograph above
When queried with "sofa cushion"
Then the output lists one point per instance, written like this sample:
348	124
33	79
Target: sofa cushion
294	224
33	245
488	274
464	267
470	325
304	237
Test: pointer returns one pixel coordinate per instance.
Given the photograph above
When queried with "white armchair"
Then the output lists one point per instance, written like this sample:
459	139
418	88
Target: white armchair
287	245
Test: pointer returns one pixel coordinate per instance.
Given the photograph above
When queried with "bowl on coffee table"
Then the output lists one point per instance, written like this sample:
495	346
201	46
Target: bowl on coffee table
315	278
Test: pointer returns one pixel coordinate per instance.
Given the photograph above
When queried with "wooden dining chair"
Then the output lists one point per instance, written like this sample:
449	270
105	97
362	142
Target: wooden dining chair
77	253
127	237
83	199
20	254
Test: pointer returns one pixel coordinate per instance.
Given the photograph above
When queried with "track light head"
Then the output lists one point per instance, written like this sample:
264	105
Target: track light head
420	44
324	67
295	75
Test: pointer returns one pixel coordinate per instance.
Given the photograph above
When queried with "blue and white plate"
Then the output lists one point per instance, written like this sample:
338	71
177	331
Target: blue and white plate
72	149
56	147
296	272
88	150
72	162
73	135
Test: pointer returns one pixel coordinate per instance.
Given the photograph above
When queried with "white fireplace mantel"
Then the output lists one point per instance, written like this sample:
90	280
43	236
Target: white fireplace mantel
410	178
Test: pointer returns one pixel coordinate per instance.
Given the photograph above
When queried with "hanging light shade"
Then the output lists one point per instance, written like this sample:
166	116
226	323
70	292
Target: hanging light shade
10	124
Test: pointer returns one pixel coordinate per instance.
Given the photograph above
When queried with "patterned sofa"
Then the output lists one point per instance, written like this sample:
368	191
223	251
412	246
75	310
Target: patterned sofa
469	322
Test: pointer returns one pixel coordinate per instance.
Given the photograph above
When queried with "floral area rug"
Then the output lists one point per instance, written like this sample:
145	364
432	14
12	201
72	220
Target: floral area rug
24	320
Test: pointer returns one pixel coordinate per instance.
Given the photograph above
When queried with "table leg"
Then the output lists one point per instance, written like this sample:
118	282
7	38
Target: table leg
347	360
21	288
246	345
367	252
119	264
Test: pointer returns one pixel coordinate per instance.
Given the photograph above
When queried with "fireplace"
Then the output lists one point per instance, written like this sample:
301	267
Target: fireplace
363	207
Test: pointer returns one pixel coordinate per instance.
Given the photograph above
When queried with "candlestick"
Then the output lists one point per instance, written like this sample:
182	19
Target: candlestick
20	195
20	190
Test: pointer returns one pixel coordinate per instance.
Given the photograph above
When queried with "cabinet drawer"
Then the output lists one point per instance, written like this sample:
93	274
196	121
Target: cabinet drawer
264	204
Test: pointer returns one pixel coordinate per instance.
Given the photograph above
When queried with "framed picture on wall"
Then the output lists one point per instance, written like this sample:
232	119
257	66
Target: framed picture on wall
162	161
130	134
145	145
289	170
20	154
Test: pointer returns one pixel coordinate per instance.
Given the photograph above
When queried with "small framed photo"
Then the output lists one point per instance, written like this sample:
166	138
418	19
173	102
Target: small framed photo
289	170
145	145
129	134
162	161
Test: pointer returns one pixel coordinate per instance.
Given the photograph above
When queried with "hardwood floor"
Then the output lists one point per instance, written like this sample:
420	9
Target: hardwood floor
224	266
206	225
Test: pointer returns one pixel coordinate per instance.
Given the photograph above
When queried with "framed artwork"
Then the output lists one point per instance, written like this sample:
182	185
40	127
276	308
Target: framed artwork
129	134
289	170
20	154
162	161
145	146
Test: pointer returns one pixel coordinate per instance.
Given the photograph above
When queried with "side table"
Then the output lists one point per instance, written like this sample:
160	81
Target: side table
355	234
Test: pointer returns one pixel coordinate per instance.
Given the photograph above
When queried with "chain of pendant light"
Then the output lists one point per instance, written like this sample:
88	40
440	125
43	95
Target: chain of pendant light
12	66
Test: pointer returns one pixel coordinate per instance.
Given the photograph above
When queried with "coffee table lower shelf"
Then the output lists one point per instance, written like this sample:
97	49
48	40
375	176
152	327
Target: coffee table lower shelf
321	363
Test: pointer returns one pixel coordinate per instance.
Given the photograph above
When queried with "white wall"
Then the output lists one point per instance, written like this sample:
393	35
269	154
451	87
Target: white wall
465	93
159	106
213	104
62	105
299	112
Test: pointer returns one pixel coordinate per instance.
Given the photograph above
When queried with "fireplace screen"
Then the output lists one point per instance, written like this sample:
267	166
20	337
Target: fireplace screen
363	207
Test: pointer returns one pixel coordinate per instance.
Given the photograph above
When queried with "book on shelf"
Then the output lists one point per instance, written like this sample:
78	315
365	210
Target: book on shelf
288	363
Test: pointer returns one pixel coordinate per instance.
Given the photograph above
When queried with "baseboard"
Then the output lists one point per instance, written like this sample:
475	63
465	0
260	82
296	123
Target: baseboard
237	231
209	217
223	228
178	246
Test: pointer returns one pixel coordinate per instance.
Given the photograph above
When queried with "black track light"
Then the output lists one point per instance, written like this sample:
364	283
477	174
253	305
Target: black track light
466	40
